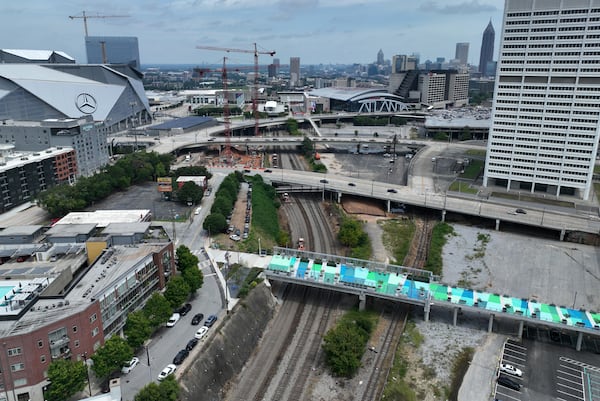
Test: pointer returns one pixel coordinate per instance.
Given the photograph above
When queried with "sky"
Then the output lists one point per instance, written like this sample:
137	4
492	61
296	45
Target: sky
317	31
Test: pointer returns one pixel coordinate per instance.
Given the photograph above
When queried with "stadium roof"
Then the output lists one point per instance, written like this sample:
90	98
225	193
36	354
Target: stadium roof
36	54
184	123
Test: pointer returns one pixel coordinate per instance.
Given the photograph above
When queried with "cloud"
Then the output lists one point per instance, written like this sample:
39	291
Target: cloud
466	7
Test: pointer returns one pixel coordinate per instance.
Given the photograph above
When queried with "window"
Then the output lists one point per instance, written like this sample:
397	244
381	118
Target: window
43	359
17	367
95	332
74	329
15	351
76	343
93	318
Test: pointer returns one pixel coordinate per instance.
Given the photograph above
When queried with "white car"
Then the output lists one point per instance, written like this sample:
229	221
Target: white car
173	319
128	367
510	369
169	370
201	332
234	237
197	211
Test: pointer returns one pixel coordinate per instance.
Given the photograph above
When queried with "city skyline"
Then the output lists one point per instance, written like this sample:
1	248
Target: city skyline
317	31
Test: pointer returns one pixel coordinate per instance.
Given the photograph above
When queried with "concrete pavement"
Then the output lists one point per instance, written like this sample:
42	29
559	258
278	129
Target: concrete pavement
479	381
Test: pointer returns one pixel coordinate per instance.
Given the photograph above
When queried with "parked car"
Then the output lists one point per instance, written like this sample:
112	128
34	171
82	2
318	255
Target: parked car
510	369
210	321
191	344
197	318
201	332
184	310
180	357
173	319
169	370
128	367
508	382
234	237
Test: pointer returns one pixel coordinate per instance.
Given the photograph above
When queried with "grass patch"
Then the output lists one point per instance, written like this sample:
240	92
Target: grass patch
476	152
597	189
473	170
264	208
459	186
459	369
397	236
596	168
439	237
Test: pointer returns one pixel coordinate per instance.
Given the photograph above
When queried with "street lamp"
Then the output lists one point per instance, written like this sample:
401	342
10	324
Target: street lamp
259	250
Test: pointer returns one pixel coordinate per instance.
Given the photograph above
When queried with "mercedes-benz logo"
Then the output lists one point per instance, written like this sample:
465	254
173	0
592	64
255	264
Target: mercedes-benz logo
86	103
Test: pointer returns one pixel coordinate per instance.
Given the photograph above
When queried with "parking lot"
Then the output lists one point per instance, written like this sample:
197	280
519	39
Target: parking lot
514	354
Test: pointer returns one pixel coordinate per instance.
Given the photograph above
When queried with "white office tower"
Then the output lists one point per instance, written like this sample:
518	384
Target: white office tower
545	126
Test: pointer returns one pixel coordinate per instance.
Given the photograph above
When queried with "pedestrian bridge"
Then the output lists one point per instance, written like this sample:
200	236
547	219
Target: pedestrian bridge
421	288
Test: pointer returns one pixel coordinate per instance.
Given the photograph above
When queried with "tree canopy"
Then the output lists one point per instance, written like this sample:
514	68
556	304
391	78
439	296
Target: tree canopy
67	378
177	291
137	329
111	356
166	390
157	309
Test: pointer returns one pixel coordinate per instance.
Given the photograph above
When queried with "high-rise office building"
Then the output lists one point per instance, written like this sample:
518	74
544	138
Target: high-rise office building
402	62
487	48
545	123
112	50
380	60
462	53
294	71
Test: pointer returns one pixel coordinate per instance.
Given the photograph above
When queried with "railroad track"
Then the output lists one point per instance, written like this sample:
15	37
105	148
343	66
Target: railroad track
385	354
417	256
309	236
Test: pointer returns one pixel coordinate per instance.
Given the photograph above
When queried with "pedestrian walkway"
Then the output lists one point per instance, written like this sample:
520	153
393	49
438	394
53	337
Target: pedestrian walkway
482	370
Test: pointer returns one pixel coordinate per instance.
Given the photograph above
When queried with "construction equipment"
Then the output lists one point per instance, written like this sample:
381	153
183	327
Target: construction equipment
85	17
226	121
255	88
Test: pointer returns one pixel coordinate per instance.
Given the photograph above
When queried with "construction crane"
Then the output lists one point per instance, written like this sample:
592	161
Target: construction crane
85	17
226	121
255	89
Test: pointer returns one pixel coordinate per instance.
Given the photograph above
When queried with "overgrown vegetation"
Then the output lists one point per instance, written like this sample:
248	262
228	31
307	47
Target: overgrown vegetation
308	150
292	126
439	237
264	211
397	387
353	235
397	236
166	390
459	186
225	198
459	369
130	170
345	344
251	281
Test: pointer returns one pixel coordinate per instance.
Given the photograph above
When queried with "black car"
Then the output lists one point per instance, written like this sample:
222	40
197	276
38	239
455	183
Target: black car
508	382
180	357
210	321
185	309
324	181
392	190
351	184
268	171
520	211
197	318
191	344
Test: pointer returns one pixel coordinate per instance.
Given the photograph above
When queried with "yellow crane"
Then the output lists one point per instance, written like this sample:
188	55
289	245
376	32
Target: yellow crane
85	17
256	52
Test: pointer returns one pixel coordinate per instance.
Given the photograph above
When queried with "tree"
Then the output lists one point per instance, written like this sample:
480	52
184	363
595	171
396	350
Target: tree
111	356
307	146
185	258
177	291
157	310
137	329
190	192
194	278
215	223
222	204
166	390
67	378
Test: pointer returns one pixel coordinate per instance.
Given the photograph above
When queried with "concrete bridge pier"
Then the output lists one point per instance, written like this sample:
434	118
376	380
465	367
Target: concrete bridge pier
443	216
491	323
497	224
339	197
362	301
520	334
454	316
579	341
388	204
426	310
562	234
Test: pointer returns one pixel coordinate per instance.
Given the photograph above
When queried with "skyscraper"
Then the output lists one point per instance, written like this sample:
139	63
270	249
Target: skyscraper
380	59
545	123
113	50
294	71
487	48
462	53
